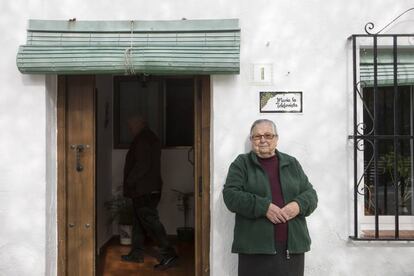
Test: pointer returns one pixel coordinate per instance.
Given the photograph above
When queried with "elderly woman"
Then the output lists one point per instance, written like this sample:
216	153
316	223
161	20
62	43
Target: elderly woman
271	196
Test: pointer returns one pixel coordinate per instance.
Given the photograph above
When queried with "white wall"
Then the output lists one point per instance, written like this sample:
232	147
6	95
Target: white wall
23	236
307	43
51	176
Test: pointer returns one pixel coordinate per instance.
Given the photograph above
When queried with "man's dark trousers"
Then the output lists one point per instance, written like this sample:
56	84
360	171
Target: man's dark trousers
146	221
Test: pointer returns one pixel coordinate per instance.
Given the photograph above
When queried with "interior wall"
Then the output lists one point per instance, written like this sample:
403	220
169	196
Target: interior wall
177	174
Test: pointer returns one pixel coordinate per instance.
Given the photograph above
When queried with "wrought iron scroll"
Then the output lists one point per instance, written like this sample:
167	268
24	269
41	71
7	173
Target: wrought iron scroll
361	127
361	148
370	26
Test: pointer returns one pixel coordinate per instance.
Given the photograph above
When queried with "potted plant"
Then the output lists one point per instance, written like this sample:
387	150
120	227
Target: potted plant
121	210
403	177
185	233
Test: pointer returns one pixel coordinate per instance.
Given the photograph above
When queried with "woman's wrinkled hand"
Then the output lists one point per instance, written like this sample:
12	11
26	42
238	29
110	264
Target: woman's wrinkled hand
292	209
276	214
281	215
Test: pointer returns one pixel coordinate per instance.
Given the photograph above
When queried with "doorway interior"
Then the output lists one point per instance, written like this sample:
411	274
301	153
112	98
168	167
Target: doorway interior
167	104
178	111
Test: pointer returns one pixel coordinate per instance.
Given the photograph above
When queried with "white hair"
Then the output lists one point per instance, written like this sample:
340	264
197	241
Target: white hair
261	121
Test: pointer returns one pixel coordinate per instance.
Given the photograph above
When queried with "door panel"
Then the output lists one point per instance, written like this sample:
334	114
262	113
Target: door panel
79	176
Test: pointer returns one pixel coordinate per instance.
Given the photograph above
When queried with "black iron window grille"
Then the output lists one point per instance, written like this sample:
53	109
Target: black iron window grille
383	135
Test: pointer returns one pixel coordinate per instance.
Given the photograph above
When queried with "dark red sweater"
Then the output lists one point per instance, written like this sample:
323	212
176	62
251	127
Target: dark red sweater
271	167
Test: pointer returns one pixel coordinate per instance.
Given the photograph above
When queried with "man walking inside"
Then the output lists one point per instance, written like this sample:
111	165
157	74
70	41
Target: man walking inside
143	183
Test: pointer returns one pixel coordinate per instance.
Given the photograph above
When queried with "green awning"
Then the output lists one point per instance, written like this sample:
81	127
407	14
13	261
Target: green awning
385	66
130	47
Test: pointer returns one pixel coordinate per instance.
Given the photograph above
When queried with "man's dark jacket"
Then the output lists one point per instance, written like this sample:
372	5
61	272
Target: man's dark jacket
142	170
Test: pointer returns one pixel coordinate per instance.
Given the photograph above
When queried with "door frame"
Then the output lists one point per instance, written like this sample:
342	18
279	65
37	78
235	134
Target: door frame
202	169
202	119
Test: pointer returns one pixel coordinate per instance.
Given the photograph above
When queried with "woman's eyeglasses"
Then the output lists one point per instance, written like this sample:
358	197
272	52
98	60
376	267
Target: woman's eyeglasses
267	136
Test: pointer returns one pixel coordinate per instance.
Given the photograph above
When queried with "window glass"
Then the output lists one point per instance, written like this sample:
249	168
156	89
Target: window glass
179	118
166	104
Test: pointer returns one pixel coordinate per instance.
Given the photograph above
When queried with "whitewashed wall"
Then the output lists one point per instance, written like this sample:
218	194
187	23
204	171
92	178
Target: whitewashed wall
23	209
307	43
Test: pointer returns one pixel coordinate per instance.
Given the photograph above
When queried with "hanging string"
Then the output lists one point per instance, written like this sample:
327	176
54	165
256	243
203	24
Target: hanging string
128	62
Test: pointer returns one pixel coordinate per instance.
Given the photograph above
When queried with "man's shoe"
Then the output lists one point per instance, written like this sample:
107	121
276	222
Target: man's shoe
133	256
166	263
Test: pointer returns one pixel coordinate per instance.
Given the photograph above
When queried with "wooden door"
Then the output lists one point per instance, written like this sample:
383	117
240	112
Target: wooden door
76	175
202	175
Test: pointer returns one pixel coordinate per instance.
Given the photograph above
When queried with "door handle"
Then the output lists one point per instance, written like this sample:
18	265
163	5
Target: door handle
79	149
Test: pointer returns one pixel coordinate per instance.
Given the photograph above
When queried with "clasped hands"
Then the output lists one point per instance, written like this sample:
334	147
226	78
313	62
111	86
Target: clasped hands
281	215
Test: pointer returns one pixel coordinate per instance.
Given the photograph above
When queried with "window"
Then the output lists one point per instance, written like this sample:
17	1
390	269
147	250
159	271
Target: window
387	150
383	129
167	104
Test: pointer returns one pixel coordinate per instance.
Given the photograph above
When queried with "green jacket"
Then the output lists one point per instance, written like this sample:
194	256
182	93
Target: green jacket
247	193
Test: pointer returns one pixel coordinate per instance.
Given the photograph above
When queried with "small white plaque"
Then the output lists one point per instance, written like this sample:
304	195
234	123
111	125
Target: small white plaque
262	73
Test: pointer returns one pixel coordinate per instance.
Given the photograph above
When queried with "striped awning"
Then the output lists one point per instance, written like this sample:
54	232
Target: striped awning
131	47
385	66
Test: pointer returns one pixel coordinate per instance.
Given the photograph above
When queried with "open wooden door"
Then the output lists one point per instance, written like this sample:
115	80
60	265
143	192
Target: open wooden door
76	175
202	175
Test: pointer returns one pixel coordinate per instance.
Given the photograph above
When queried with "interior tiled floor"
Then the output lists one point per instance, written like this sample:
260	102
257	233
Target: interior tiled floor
110	264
